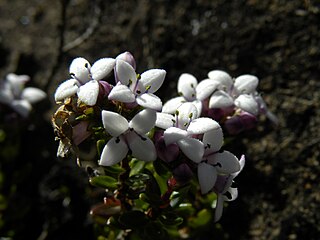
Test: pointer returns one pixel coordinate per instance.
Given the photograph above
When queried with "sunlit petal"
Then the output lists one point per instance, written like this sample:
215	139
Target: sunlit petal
121	93
114	123
79	69
172	105
213	140
192	148
164	120
66	89
149	100
220	99
102	68
187	84
152	80
89	92
205	88
247	103
142	147
202	125
114	151
173	134
143	121
125	73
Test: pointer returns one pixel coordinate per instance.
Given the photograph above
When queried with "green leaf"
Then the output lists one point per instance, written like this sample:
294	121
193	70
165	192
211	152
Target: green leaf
136	166
100	145
201	219
104	182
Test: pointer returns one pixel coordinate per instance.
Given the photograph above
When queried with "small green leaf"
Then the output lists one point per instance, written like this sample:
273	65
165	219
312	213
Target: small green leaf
100	145
104	182
136	166
203	217
170	219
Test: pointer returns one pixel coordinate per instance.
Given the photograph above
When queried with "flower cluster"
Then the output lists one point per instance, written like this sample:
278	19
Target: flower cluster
14	94
127	121
234	103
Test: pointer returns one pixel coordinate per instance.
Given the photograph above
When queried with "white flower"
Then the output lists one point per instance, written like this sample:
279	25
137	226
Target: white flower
222	186
13	94
181	126
187	84
84	81
128	135
215	162
134	88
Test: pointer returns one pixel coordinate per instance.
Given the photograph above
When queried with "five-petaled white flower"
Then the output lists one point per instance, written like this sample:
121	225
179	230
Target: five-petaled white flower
181	127
215	162
133	88
13	93
84	80
128	135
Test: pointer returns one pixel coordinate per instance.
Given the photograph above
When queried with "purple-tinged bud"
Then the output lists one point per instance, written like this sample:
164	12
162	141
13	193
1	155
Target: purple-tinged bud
127	57
165	153
240	122
182	173
80	132
104	89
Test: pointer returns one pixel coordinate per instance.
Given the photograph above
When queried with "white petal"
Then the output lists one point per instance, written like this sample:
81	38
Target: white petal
125	73
213	140
23	107
246	83
172	105
247	103
225	162
33	95
173	134
115	150
164	120
102	68
79	68
205	88
16	83
222	77
143	121
121	93
187	84
186	113
202	125
6	95
66	89
149	100
198	105
88	93
219	208
233	192
220	99
142	147
114	123
192	148
242	163
207	176
152	80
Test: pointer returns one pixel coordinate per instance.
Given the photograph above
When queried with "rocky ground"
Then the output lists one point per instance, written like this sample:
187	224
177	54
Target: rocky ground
278	41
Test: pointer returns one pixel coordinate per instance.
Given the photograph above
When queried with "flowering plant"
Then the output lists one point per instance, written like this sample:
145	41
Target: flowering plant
163	168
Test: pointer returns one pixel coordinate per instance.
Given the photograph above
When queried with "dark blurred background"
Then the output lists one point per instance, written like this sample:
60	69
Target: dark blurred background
43	197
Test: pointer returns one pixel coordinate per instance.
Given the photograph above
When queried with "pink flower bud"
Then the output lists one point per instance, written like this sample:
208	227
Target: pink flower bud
242	122
127	57
182	173
165	153
80	132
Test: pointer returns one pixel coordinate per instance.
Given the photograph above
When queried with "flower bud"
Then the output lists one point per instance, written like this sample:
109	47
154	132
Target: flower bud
165	153
127	57
242	122
182	173
80	132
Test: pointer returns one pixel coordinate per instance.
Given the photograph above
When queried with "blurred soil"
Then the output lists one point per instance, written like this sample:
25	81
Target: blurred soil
278	41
